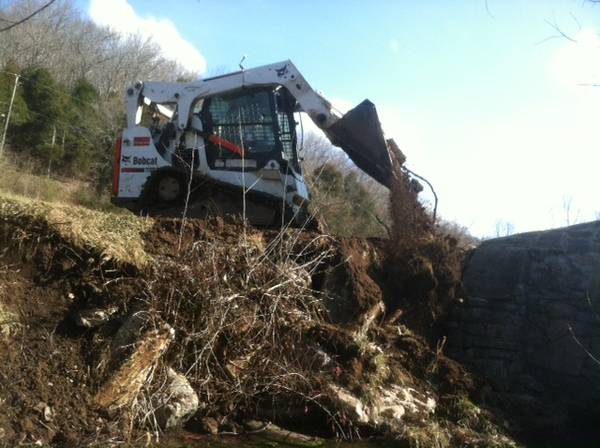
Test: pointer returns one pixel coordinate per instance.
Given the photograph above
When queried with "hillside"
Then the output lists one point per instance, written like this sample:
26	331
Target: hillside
117	328
259	225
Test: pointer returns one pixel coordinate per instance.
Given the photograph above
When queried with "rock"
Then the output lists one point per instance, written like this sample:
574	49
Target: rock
531	306
125	383
94	317
209	425
387	406
350	404
48	413
178	401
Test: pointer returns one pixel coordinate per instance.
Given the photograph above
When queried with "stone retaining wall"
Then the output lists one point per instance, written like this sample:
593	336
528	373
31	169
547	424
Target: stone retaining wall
529	299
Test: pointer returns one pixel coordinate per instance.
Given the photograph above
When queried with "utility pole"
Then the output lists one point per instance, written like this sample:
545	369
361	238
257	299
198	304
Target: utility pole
10	105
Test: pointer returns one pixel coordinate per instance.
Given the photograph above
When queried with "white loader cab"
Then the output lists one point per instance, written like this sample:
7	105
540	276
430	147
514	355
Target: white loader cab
228	145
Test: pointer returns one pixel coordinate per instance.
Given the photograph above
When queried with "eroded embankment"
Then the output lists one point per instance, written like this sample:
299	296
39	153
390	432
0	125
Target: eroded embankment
119	327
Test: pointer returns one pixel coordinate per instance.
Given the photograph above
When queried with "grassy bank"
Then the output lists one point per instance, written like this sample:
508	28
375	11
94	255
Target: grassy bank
117	236
26	181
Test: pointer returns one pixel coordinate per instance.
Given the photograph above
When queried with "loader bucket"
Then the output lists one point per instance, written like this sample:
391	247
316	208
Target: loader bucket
360	135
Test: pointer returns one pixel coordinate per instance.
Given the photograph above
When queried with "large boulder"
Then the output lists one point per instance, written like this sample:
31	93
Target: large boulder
387	408
178	401
529	321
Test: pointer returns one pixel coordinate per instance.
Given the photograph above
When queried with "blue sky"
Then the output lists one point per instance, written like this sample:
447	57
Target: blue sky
494	118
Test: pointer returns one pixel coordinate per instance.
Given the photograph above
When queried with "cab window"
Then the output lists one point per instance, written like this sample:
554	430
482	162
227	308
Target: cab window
244	119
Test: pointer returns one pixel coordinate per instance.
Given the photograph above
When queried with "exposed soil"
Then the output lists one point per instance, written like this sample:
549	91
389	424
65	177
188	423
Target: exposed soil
45	382
216	284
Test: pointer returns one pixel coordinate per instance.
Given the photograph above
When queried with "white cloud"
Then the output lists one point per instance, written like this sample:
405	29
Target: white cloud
120	16
576	63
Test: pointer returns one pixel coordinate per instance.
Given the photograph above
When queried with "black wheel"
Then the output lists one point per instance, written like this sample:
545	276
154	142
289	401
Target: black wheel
169	189
163	190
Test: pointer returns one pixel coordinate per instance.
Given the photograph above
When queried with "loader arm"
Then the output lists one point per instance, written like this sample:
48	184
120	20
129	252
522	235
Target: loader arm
358	132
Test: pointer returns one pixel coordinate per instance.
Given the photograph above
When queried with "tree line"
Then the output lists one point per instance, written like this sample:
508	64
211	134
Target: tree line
68	108
68	104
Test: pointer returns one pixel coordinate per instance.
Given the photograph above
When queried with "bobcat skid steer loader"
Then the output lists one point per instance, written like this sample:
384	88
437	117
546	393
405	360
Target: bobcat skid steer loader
228	145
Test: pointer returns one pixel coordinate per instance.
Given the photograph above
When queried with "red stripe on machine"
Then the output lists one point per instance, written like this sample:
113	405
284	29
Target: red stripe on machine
220	141
117	166
141	141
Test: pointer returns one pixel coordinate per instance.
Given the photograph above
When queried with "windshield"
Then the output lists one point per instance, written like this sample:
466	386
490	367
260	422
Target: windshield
252	123
244	119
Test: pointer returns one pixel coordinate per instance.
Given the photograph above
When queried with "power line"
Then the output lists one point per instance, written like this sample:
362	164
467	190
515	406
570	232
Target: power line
78	130
25	19
81	132
50	88
55	89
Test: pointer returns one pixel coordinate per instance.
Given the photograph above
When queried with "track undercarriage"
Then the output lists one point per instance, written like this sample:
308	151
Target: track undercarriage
173	195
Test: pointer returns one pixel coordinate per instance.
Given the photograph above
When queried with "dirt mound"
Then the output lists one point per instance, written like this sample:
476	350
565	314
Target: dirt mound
284	326
45	382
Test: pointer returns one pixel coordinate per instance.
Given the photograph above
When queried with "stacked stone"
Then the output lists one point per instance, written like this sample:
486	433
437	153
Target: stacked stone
530	321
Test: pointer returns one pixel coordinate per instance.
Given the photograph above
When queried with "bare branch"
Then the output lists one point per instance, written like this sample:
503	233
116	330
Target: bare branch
487	8
559	31
25	19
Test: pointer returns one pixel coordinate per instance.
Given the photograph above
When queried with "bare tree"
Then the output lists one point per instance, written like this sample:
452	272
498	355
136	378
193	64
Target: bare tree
504	228
71	47
570	216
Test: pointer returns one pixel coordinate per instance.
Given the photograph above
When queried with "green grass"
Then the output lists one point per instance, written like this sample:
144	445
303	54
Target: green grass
72	209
